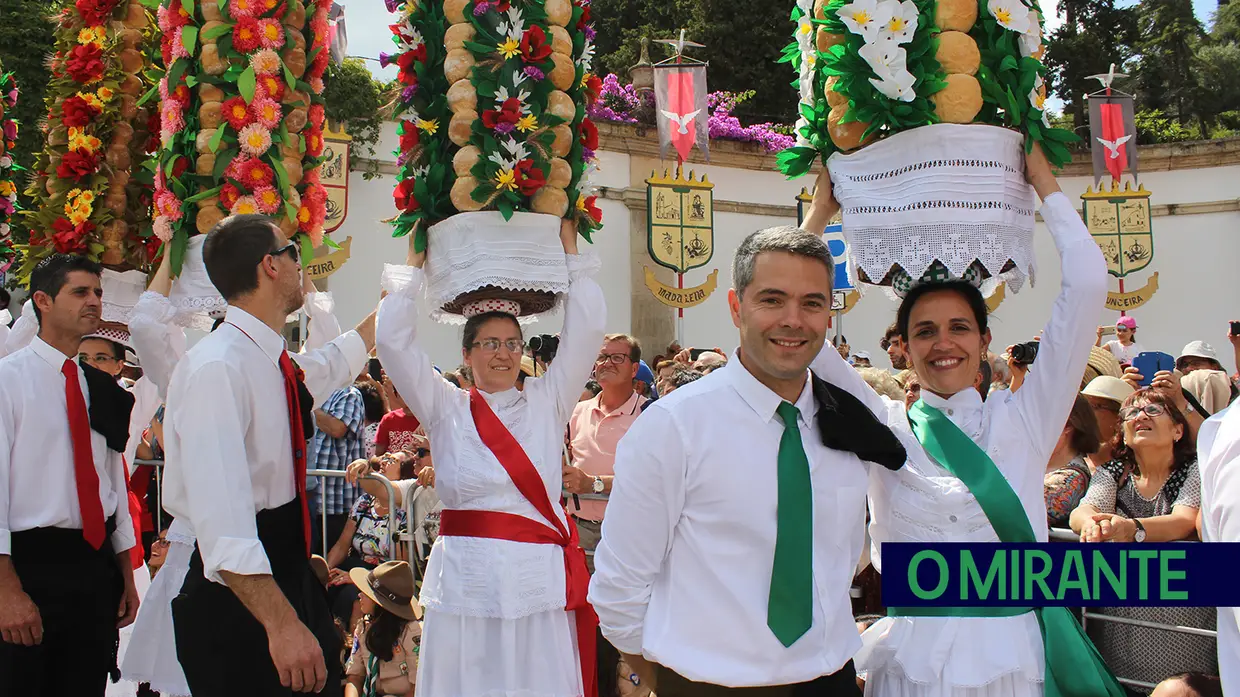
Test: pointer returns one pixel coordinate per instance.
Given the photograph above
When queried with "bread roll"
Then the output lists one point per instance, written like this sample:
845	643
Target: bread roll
563	144
212	63
135	16
462	97
295	60
550	200
955	15
462	197
208	26
825	39
457	35
454	11
292	165
561	173
561	42
210	114
205	165
465	159
960	100
846	136
560	105
457	64
210	93
296	119
957	53
295	17
559	12
202	142
208	218
564	74
461	127
835	99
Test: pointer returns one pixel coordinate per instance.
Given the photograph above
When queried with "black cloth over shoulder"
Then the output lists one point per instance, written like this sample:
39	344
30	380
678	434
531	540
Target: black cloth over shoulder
846	424
110	407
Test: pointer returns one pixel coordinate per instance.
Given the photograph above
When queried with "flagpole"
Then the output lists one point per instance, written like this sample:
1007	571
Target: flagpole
1115	185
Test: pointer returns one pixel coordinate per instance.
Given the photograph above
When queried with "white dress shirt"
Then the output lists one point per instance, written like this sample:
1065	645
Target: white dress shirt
922	502
5	318
38	487
683	571
1218	454
477	577
23	330
226	432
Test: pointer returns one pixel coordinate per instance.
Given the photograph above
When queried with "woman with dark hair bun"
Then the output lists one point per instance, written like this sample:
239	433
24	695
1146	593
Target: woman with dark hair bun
974	473
503	615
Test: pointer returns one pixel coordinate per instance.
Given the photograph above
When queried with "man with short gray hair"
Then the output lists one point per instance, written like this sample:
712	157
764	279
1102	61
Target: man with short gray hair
738	503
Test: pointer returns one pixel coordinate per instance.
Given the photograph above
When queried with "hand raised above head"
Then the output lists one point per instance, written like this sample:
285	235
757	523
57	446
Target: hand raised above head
1038	172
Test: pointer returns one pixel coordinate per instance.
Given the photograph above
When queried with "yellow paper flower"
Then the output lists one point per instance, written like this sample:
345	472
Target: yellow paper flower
80	140
581	203
506	179
431	127
92	35
585	78
91	99
105	94
6	187
78	206
527	123
509	48
246	205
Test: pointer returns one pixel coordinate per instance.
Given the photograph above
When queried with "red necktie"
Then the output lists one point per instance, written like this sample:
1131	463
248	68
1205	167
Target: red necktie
83	459
298	434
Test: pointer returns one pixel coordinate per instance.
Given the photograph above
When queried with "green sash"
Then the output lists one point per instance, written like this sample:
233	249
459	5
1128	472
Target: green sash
1073	666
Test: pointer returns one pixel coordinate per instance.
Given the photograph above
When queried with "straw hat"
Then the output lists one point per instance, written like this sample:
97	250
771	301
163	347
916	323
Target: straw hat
391	585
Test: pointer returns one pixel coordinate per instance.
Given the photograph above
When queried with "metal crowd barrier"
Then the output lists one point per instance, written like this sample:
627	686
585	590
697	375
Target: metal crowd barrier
1066	535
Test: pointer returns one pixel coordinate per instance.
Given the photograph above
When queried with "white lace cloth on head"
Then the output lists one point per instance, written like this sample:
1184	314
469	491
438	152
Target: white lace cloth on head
472	250
948	192
193	294
121	290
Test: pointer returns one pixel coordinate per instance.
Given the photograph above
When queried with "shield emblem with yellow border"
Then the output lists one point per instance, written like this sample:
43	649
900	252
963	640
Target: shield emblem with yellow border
334	174
681	220
1120	222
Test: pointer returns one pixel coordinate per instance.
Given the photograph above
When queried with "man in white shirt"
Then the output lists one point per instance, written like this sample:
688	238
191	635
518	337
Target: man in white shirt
736	517
251	616
1218	455
63	427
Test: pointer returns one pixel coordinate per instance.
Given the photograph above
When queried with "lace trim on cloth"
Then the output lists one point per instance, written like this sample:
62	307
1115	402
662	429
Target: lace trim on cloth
972	164
1006	251
155	307
120	293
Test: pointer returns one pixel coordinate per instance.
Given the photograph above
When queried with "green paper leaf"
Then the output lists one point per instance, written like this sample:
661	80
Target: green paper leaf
307	248
281	174
189	37
179	66
289	79
247	83
221	163
221	4
331	244
1008	63
150	94
290	211
189	8
203	195
218	136
216	32
179	241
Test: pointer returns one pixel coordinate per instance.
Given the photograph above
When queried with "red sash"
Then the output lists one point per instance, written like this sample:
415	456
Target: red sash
508	526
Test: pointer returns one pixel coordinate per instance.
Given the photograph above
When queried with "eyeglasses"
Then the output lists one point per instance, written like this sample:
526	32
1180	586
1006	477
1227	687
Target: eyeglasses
616	358
1150	410
492	345
98	358
291	249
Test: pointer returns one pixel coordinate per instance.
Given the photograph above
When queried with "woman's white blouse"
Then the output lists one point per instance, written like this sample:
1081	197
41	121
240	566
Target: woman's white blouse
922	502
478	577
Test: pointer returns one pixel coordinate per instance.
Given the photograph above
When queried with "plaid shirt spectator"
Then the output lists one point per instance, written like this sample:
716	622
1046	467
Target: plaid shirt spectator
336	453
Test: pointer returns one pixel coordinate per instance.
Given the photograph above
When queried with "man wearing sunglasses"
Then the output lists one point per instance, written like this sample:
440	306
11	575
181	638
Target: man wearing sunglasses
238	416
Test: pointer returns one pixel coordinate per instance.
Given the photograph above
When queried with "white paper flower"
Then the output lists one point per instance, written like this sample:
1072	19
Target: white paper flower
1010	14
1031	40
865	17
805	32
6	162
4	229
889	63
1037	99
901	21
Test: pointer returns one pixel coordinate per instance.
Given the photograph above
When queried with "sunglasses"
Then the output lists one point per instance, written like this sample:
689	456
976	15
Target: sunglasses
1150	410
290	249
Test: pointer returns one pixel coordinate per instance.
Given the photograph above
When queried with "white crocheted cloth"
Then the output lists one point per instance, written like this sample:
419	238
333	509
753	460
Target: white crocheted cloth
193	294
121	290
471	250
948	192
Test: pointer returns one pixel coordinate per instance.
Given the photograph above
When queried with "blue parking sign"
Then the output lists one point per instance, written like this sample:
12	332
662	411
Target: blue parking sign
834	237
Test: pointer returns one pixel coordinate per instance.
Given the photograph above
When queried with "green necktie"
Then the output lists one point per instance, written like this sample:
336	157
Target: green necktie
789	610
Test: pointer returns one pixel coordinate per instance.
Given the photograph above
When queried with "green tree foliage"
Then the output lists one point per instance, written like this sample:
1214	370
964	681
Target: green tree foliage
356	99
743	43
1095	34
25	44
1225	25
1167	76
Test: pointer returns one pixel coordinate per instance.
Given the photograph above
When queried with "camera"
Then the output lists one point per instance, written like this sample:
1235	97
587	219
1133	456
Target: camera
1025	353
544	347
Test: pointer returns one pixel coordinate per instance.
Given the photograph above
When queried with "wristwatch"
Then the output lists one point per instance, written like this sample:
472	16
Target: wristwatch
597	487
1139	535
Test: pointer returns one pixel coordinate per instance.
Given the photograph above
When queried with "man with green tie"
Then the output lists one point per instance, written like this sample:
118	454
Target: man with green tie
737	511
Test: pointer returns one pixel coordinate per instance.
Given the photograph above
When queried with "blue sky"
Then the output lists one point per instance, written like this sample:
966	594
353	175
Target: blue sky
368	21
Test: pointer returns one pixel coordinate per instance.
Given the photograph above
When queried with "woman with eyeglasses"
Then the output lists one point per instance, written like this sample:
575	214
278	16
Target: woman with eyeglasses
1150	491
496	619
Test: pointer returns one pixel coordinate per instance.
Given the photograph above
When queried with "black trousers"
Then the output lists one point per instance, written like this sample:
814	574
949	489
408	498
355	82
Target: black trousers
841	683
77	590
221	646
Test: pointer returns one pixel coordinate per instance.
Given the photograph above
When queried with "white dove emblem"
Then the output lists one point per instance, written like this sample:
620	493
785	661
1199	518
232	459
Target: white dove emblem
681	120
1113	146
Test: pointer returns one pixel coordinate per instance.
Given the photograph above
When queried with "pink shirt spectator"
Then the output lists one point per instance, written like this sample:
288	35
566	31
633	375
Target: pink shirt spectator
593	435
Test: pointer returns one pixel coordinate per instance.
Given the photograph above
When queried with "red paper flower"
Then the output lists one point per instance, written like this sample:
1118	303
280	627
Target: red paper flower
409	137
529	178
237	113
246	35
74	111
405	200
85	63
270	86
585	17
229	194
509	113
314	141
593	210
69	239
317	115
589	135
151	247
95	12
319	65
179	167
77	165
255	173
594	89
408	62
534	46
180	94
